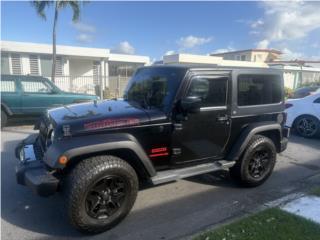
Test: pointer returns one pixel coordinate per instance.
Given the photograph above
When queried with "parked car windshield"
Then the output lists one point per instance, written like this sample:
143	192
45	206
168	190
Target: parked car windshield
154	87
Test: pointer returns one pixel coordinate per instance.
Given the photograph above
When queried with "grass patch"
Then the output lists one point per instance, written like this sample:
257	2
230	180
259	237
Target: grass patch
269	224
315	191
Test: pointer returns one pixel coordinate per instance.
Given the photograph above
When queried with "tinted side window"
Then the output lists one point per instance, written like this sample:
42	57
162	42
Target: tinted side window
317	100
8	86
259	89
212	91
35	87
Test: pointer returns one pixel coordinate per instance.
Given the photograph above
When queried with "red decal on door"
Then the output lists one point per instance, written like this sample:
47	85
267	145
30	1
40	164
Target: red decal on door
157	152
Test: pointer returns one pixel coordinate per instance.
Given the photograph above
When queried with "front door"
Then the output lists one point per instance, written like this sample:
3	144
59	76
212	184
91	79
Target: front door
37	96
203	135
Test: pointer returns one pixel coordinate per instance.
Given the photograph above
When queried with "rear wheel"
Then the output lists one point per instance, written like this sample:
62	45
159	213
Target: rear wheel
257	162
100	193
307	126
4	118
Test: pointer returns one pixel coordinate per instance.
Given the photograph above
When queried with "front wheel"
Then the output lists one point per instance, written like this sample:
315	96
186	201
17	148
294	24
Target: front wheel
100	192
257	162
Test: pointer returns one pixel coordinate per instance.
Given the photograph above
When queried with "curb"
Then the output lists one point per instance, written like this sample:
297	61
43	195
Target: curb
314	179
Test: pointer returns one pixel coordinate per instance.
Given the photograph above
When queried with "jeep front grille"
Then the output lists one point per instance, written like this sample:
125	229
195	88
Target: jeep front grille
43	132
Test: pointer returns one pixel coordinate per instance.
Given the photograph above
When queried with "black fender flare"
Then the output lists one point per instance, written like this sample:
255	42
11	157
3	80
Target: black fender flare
6	109
239	146
81	145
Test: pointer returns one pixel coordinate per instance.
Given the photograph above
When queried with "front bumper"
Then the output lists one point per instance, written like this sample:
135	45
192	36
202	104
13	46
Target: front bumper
285	139
31	171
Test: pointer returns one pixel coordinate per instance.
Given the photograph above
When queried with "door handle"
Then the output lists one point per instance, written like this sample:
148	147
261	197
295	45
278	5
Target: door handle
223	118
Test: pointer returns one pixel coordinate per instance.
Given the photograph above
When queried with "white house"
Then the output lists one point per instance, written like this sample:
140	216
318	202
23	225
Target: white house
78	69
183	58
251	55
298	72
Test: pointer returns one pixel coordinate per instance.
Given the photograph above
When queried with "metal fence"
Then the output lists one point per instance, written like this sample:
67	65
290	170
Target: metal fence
105	87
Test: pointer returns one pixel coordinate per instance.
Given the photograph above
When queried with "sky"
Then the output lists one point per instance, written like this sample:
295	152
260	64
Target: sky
158	28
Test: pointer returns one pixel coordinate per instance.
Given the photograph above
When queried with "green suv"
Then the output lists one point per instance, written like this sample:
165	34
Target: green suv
32	95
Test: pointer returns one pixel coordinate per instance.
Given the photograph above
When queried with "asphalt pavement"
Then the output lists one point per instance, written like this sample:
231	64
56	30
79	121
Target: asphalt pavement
170	211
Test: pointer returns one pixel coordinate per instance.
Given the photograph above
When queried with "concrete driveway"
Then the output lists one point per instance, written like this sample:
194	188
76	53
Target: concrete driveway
169	211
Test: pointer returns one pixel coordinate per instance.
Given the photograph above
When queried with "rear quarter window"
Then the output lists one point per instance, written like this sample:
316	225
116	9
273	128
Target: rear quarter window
259	89
8	86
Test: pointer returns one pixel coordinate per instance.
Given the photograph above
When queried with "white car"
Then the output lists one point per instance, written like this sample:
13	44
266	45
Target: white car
303	115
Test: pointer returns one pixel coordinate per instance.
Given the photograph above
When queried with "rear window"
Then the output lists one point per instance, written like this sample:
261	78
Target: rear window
259	89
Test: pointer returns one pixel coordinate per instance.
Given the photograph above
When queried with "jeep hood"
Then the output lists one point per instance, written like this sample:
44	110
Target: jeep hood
96	115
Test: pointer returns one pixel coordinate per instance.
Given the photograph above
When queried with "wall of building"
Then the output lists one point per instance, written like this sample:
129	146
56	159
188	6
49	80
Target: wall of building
80	67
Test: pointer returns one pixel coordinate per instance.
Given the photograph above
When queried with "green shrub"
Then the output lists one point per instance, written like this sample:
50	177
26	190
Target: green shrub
288	92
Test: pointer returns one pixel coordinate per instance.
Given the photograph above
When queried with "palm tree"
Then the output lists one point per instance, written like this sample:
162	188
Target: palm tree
40	7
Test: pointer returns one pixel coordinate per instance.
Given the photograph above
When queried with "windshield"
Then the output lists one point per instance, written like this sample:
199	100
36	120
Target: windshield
154	87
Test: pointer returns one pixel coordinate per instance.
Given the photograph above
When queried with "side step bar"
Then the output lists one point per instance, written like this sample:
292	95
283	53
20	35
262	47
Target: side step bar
176	174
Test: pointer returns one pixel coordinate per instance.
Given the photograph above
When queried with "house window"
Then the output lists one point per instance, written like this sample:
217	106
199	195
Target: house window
259	89
59	66
16	64
238	58
96	69
243	57
34	65
5	67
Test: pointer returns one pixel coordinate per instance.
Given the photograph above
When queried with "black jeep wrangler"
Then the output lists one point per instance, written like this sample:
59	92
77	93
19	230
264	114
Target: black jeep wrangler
173	122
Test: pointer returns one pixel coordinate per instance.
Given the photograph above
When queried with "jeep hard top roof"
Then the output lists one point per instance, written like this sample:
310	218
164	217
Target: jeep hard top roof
214	67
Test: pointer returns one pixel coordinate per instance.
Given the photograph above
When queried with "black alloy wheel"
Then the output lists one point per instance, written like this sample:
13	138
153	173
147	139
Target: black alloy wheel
100	191
259	164
307	126
106	197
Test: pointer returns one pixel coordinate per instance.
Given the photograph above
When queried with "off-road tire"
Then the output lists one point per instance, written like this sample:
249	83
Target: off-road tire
4	118
240	171
82	177
308	118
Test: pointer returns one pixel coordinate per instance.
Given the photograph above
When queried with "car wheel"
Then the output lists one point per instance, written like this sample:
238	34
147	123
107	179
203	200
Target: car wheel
4	119
100	192
307	126
257	162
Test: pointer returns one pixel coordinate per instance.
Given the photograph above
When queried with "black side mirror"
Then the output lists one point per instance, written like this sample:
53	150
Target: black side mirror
191	104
